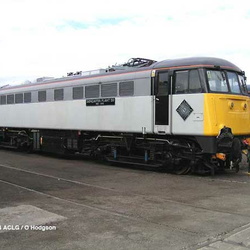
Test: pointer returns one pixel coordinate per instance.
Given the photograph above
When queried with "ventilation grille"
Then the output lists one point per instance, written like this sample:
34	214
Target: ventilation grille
92	91
18	98
58	94
3	99
42	96
109	90
27	97
126	88
10	99
78	93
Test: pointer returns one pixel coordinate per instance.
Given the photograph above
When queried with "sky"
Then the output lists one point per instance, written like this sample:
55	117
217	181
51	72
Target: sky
41	38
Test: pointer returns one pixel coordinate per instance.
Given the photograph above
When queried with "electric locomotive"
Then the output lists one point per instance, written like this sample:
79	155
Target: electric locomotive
183	115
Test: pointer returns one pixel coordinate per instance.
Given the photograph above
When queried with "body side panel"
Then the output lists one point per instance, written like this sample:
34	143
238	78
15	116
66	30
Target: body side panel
193	124
129	114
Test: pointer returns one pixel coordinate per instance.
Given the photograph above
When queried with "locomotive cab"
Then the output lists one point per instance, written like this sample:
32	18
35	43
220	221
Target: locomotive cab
207	103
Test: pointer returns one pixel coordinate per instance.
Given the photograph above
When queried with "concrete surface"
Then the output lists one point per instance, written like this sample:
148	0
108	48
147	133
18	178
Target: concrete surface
99	206
235	241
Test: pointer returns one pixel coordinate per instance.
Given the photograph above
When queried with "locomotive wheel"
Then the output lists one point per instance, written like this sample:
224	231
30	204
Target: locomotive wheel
182	169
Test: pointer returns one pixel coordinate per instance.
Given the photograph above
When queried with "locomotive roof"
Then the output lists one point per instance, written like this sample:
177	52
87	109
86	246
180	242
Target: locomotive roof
170	63
206	61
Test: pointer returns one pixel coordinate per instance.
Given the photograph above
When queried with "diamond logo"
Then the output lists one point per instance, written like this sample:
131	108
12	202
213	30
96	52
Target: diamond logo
184	110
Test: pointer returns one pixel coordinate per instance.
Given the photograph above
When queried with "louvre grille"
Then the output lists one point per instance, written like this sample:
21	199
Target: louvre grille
126	88
10	99
92	91
78	93
27	97
42	96
58	94
18	98
3	99
109	90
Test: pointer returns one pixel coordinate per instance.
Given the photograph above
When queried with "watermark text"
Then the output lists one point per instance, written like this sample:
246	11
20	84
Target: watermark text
42	228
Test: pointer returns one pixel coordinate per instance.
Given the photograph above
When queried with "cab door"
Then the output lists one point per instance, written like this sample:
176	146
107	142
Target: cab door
162	103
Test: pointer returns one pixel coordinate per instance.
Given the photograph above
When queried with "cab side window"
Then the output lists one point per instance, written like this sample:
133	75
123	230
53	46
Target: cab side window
243	84
194	82
181	82
187	81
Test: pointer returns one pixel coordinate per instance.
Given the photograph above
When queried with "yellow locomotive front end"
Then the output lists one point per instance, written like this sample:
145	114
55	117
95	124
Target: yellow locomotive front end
224	110
227	114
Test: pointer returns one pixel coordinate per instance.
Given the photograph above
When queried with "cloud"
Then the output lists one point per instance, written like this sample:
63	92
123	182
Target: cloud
51	38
